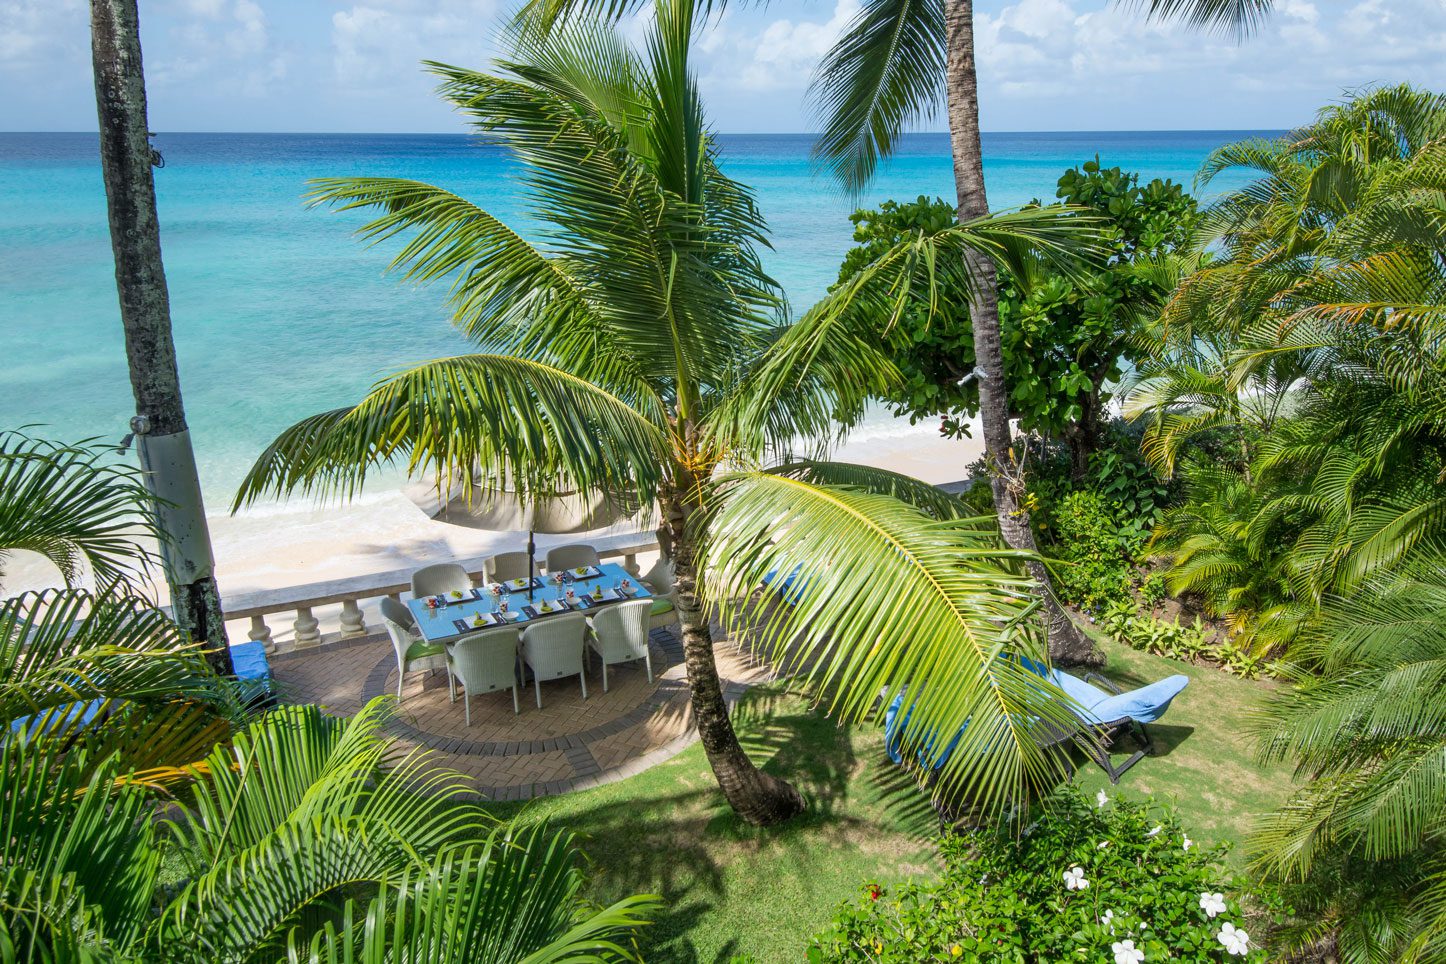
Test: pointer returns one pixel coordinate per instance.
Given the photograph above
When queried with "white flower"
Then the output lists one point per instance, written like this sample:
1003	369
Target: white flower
1074	879
1108	920
1127	953
1236	941
1212	904
1189	843
1101	799
1102	845
1155	831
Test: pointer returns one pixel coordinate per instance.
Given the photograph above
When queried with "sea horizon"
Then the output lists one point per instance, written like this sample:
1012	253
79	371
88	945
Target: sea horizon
279	313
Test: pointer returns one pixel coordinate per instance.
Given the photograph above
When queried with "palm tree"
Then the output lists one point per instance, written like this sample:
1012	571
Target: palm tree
641	348
888	71
163	440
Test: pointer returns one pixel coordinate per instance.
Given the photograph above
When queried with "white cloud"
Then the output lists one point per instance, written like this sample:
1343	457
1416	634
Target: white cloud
37	32
227	41
376	42
1049	48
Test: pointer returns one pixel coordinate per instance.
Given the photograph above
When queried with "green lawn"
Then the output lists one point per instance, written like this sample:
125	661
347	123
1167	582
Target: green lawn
733	889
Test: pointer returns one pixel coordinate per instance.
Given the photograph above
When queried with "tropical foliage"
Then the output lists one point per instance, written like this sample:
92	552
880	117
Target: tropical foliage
1297	382
1105	880
637	345
1065	333
74	505
1365	726
147	818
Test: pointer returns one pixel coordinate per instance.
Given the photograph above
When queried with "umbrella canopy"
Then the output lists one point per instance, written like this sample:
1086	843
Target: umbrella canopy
503	510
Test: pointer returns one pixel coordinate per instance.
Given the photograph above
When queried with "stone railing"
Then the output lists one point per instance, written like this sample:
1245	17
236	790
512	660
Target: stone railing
304	600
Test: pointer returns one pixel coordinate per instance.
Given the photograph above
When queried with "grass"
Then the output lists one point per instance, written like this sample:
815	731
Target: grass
733	889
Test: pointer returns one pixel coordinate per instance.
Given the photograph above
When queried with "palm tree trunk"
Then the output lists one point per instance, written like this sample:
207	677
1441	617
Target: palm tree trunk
1006	477
757	797
163	440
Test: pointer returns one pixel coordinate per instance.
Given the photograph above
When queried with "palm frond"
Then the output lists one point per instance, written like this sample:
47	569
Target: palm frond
884	74
885	599
480	419
76	506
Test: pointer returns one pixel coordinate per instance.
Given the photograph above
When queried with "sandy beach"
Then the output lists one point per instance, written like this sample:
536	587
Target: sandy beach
276	546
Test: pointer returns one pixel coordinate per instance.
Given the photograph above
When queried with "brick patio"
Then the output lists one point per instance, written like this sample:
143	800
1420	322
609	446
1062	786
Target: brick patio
569	744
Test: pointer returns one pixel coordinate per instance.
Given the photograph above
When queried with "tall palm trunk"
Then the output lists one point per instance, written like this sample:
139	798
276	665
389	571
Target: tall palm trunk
1006	477
757	797
162	439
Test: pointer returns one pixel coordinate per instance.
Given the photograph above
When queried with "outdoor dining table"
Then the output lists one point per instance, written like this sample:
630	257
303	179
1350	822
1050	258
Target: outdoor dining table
446	624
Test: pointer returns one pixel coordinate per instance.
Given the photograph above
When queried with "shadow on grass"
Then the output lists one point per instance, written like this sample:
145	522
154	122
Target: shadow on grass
670	831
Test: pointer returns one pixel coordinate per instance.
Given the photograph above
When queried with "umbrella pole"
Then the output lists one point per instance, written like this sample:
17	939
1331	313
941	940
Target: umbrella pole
531	563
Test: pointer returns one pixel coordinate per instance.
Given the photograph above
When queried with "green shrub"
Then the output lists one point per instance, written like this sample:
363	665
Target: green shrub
1096	558
1122	622
1076	885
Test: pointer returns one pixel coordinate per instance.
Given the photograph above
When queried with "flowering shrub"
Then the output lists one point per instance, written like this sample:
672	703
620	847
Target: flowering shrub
1099	880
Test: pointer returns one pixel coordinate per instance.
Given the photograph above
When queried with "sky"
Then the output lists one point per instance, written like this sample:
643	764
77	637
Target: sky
339	65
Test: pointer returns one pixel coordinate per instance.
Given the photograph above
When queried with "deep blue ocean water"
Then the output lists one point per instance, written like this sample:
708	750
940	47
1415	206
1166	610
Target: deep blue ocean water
280	313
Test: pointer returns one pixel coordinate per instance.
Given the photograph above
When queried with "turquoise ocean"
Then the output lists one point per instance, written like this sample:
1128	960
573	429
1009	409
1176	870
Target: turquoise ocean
280	313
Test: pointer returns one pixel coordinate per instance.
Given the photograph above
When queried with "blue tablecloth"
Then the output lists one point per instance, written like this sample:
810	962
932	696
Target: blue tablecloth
438	625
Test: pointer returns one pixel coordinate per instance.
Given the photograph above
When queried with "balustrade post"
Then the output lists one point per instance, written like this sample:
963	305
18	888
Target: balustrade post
261	633
353	621
306	627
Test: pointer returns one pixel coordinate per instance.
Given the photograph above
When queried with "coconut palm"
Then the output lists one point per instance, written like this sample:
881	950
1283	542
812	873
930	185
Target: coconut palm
163	438
891	69
638	345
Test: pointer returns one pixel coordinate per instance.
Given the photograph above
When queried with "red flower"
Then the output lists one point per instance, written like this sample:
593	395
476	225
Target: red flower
874	891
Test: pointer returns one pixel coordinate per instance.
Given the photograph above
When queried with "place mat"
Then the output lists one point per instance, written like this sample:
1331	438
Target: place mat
584	572
533	612
469	595
518	585
467	625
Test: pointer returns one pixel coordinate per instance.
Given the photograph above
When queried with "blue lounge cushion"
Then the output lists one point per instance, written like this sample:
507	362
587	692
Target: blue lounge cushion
790	587
1144	705
249	661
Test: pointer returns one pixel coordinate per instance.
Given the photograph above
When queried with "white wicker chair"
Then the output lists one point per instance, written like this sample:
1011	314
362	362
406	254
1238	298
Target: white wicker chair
439	579
485	662
553	648
661	581
620	635
505	566
571	557
413	652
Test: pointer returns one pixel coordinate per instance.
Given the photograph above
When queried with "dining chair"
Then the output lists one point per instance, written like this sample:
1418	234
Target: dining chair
661	580
398	613
505	566
620	635
485	662
552	647
413	652
571	557
439	579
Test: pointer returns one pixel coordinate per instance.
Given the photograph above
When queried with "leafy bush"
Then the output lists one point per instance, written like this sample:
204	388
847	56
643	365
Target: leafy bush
1097	558
1110	880
1125	624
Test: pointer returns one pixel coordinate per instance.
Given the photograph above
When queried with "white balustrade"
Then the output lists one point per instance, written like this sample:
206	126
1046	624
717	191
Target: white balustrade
351	593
